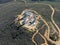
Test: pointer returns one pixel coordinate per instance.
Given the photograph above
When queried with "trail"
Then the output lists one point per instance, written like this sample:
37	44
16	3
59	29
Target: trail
44	39
37	31
34	37
52	21
53	28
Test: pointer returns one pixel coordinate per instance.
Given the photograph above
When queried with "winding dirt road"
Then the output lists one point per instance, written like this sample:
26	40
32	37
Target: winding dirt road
48	30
